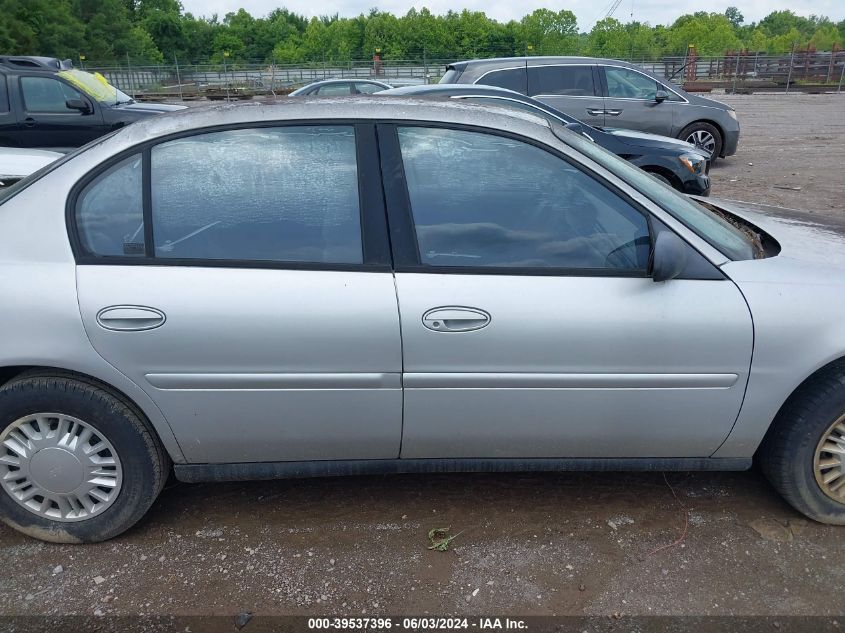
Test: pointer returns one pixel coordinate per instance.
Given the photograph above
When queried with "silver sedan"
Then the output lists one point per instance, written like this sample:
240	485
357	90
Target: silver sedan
381	285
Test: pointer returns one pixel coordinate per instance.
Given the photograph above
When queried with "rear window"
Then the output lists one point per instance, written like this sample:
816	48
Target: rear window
572	81
510	78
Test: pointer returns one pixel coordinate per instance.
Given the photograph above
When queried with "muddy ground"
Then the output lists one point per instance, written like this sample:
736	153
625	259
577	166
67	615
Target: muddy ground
578	544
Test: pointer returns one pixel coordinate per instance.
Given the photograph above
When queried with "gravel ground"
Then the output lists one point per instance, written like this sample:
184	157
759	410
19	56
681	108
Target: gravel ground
573	544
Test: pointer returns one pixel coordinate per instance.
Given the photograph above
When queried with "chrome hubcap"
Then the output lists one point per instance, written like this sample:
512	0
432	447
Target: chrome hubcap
702	139
59	467
829	461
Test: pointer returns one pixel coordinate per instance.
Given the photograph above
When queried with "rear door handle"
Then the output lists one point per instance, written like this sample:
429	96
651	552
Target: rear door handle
455	319
613	112
29	122
130	318
595	112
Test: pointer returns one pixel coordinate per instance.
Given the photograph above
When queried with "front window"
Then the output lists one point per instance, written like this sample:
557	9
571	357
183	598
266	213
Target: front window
95	86
623	83
709	226
515	205
48	95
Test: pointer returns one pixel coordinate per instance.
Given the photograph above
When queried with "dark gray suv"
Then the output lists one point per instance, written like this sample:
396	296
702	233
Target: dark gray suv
609	93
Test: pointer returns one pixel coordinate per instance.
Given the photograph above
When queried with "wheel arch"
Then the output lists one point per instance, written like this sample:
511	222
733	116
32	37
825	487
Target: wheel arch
666	173
716	125
153	419
835	367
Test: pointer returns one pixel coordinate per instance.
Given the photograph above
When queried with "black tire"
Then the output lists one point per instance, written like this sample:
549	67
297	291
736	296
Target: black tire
144	462
701	126
789	448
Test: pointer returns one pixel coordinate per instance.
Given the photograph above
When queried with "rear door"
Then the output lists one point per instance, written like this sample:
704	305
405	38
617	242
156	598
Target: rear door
571	88
631	103
47	121
530	326
242	278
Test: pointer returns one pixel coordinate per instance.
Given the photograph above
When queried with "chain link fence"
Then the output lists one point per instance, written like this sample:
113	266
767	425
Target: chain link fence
735	72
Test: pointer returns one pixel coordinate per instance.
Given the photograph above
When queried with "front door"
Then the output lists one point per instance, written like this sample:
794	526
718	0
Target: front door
529	325
242	296
48	122
631	102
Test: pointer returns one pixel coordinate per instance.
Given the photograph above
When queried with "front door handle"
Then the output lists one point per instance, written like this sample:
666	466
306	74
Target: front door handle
613	112
130	318
29	122
594	112
455	319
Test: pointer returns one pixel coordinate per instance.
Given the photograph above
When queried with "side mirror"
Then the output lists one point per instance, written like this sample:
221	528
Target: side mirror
669	257
78	104
660	96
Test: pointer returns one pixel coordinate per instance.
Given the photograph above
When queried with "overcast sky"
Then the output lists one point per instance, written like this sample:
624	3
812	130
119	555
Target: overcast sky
587	11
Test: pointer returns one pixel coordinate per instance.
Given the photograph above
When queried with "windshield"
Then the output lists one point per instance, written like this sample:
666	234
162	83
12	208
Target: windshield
95	86
721	234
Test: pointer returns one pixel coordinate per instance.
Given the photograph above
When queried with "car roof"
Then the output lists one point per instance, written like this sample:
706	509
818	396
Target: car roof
322	109
540	60
425	89
32	63
338	80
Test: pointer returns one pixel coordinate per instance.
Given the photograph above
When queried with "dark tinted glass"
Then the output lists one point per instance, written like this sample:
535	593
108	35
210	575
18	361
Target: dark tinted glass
513	204
109	212
43	94
629	84
575	81
368	89
4	96
274	194
330	90
512	79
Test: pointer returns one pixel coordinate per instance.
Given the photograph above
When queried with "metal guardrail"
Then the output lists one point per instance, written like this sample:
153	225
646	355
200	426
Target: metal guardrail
731	71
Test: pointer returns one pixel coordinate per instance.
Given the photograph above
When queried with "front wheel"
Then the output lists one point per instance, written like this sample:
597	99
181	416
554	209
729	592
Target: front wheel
705	136
77	463
803	454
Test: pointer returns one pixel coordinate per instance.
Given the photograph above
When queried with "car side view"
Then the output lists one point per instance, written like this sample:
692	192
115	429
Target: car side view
378	285
47	103
612	93
680	165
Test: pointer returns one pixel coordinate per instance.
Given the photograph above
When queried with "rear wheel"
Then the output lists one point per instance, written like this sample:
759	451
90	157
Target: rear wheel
705	136
77	463
803	454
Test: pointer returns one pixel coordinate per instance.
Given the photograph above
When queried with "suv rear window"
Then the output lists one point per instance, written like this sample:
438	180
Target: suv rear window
572	81
510	78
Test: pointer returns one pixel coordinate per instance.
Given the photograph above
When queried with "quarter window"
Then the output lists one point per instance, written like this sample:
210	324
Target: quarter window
568	81
109	211
45	94
623	83
272	194
479	200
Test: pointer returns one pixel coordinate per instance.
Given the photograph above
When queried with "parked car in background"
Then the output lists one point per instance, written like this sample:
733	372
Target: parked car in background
16	163
679	164
219	290
340	87
607	92
47	103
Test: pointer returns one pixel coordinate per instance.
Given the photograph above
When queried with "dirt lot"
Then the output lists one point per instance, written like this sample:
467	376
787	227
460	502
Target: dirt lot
791	152
579	544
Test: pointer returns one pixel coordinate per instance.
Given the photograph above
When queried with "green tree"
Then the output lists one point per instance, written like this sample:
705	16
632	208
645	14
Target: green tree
551	32
734	17
826	37
710	33
608	38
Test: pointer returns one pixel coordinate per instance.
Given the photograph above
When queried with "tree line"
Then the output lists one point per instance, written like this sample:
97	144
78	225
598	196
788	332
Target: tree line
156	31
